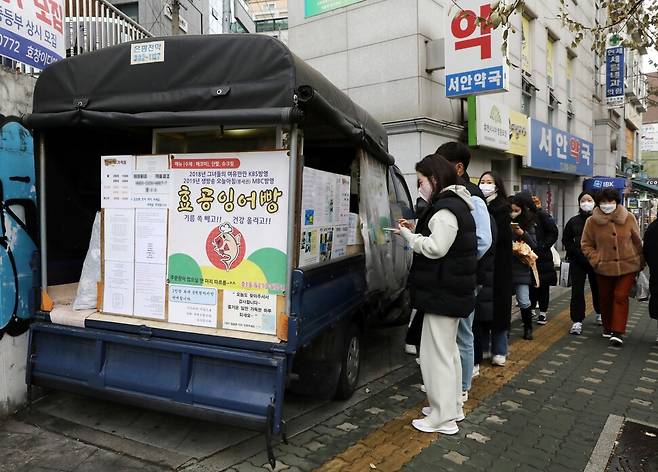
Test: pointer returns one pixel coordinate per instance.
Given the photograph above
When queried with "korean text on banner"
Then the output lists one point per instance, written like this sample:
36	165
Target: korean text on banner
317	7
32	31
559	151
488	123
228	222
475	63
614	71
518	141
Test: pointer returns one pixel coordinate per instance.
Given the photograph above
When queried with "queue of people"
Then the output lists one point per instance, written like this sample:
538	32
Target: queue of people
475	248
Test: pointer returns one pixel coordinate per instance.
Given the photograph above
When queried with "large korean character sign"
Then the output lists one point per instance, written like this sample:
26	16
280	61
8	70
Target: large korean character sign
614	71
32	31
475	63
554	149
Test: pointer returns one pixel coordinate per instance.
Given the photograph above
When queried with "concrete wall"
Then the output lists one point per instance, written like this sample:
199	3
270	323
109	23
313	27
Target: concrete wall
15	99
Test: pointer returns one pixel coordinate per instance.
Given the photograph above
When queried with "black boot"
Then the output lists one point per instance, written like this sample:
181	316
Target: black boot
526	316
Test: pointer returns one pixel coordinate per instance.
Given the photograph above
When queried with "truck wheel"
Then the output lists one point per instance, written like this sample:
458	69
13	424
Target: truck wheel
350	364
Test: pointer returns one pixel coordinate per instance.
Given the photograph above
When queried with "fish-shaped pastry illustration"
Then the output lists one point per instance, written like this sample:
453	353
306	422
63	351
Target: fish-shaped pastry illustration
227	245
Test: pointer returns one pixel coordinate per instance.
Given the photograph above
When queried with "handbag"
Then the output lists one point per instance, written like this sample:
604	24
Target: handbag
556	257
565	274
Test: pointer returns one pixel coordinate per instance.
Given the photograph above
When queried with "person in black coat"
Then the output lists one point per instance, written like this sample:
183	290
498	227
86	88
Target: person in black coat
523	213
651	256
547	234
579	267
493	312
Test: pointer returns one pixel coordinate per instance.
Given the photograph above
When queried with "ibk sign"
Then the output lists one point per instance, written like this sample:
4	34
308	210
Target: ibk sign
475	63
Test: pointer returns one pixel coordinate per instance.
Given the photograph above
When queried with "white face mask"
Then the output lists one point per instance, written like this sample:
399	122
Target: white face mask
608	208
488	189
425	191
587	207
514	214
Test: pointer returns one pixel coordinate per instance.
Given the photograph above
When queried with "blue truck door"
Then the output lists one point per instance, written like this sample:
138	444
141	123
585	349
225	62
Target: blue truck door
19	259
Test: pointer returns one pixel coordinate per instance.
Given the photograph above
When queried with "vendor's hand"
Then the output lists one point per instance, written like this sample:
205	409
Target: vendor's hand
518	231
406	224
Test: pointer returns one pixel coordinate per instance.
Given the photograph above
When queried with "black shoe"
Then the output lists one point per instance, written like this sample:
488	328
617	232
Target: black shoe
616	340
526	317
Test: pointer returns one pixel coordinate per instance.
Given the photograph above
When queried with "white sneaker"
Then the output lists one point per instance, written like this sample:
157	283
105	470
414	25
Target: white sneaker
427	410
542	319
410	349
464	397
535	314
423	389
576	328
499	360
476	371
599	320
449	427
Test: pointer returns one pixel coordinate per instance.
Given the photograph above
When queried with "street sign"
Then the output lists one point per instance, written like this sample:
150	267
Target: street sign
614	71
32	31
559	151
475	63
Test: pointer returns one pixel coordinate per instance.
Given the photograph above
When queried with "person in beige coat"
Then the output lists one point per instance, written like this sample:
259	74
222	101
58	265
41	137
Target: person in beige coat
611	242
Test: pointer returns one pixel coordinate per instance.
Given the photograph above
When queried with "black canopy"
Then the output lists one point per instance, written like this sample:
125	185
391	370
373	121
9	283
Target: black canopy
227	79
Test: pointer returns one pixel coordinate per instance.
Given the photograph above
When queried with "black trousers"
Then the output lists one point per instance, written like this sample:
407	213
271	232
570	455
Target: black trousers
540	295
578	276
415	330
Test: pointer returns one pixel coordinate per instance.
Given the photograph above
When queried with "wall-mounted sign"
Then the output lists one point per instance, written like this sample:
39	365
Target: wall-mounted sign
559	151
317	7
32	31
488	123
475	63
518	134
614	71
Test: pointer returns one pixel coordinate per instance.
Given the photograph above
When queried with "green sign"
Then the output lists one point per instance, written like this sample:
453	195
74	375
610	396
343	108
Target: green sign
317	7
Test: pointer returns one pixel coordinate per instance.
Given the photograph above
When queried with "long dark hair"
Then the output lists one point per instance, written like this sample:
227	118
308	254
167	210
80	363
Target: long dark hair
439	171
528	209
500	186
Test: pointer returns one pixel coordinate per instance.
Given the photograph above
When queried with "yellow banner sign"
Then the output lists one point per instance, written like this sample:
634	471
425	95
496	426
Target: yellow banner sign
518	127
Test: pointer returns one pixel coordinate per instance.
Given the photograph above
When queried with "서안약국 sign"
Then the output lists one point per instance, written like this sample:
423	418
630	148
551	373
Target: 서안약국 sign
32	31
559	151
474	59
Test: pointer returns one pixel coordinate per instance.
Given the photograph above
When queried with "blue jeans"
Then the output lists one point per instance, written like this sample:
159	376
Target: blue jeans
466	351
492	340
522	296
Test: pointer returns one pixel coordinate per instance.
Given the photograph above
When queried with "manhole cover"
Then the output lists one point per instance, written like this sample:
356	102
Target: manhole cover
636	449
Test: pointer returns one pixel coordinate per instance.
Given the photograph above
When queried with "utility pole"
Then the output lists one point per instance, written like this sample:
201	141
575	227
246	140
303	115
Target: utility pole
175	17
226	16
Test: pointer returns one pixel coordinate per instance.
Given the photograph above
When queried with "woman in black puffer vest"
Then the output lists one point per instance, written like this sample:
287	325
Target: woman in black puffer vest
442	284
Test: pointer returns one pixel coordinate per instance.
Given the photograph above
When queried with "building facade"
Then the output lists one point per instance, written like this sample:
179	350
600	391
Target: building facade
381	53
271	17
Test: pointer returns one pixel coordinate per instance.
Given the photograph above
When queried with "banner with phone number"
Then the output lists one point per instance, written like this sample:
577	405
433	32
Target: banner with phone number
32	31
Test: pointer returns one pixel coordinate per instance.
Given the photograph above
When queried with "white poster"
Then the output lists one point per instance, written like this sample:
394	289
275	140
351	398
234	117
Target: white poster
340	241
116	179
150	189
309	248
118	287
228	222
248	311
150	283
119	235
354	231
492	122
151	236
152	163
193	305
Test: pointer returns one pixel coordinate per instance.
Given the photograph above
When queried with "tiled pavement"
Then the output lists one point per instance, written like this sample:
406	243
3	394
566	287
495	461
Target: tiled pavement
544	411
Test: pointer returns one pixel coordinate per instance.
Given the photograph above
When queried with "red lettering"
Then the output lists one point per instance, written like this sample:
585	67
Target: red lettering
463	26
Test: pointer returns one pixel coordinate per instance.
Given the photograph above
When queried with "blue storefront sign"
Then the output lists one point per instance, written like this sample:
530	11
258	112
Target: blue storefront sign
599	183
614	71
559	151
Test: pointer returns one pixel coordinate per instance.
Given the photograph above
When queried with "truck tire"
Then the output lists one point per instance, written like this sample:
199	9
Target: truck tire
350	364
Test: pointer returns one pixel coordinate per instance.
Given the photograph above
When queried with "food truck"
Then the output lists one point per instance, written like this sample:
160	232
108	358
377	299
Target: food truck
213	229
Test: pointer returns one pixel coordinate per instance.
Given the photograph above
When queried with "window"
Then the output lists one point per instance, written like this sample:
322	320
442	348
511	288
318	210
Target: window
526	45
550	61
131	10
266	26
552	108
527	94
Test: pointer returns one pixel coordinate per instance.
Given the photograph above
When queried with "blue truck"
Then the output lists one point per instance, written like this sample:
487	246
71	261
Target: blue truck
222	93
